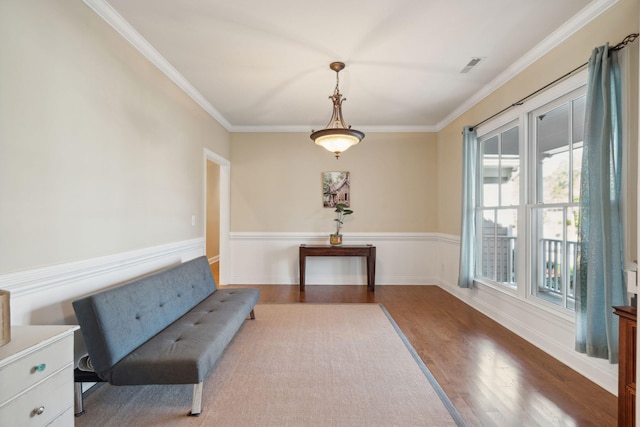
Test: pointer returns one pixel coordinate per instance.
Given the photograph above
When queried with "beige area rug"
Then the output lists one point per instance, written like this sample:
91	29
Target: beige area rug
295	365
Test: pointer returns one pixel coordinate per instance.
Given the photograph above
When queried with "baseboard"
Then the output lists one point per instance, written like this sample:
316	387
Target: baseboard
554	335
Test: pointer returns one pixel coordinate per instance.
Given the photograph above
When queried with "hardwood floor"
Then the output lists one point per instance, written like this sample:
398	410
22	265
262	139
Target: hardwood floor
493	377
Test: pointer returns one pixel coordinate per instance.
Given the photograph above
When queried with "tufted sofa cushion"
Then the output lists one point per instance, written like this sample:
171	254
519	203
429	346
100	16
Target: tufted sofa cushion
117	321
185	351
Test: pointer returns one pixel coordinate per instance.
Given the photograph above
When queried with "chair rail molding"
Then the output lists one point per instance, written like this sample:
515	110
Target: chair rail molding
43	295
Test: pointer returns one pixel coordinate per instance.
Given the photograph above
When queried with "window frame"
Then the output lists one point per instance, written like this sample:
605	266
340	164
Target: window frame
534	205
519	116
481	208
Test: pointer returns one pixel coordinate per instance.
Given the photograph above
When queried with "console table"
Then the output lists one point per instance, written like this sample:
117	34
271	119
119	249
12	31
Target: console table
367	251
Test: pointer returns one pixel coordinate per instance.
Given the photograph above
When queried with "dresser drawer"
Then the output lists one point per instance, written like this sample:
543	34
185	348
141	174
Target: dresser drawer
53	396
34	367
65	419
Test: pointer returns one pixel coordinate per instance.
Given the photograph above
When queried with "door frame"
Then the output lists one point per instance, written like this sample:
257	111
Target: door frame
225	211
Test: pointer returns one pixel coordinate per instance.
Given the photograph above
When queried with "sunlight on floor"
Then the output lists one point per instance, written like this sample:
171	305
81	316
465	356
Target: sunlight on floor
501	377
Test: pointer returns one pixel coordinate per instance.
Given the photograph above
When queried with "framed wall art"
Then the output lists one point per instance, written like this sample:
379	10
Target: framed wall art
336	188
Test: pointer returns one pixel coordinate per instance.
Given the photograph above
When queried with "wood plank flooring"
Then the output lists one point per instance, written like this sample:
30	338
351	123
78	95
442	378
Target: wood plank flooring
492	376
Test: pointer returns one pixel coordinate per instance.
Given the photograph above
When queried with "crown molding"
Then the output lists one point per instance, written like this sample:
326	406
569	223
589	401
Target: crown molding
115	20
586	15
307	129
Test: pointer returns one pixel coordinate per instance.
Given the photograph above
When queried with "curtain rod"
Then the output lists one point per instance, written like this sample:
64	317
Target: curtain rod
629	39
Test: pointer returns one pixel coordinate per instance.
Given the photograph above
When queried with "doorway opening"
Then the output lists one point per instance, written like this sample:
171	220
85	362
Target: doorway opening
217	208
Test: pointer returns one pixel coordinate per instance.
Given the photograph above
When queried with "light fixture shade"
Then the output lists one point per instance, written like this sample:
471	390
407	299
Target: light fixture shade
337	137
337	140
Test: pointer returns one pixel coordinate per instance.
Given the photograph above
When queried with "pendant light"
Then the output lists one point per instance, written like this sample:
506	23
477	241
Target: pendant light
337	137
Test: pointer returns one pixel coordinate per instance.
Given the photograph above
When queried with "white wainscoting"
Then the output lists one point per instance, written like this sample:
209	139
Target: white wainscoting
44	295
553	334
272	258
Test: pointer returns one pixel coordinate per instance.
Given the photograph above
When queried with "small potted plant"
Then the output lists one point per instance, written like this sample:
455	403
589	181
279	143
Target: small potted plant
341	211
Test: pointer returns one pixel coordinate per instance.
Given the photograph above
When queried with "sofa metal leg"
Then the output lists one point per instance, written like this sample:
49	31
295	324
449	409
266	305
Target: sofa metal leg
196	405
77	399
252	315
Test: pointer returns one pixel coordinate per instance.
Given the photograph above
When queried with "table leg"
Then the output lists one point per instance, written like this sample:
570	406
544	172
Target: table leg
303	263
371	269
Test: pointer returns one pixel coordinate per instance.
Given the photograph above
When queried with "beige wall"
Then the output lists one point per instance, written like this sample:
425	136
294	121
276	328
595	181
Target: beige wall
99	152
213	210
612	27
276	183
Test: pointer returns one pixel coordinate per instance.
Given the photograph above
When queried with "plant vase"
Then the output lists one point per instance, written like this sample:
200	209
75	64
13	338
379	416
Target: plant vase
341	211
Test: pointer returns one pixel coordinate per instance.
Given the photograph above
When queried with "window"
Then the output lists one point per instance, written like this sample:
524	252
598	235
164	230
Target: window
498	210
528	198
556	153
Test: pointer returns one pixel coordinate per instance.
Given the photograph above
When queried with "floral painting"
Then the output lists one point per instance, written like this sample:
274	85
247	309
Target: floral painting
336	188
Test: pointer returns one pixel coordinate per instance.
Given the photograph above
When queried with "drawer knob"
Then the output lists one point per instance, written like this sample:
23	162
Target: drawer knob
38	411
40	368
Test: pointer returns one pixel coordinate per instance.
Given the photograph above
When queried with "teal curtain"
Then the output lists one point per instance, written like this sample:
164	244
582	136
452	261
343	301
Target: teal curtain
600	279
469	189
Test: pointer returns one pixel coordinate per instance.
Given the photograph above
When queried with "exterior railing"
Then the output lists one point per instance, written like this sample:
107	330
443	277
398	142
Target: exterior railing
553	274
499	259
499	263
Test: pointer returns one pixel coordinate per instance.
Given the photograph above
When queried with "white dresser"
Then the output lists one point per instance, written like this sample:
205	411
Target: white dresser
36	377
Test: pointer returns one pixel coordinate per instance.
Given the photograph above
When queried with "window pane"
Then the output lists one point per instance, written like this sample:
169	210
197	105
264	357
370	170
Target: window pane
490	172
556	256
577	171
552	155
578	119
559	133
506	244
553	129
572	255
499	243
487	261
550	255
577	139
510	168
555	178
500	188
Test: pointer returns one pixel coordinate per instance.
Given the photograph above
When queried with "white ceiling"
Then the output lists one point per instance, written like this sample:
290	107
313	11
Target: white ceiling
264	65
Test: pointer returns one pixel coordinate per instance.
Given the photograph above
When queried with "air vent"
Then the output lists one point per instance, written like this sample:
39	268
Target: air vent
470	65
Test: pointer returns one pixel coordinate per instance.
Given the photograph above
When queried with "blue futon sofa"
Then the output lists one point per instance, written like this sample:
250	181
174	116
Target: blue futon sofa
166	328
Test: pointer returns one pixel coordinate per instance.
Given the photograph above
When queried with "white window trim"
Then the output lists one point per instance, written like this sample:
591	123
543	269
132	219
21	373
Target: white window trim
520	114
561	99
520	267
